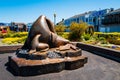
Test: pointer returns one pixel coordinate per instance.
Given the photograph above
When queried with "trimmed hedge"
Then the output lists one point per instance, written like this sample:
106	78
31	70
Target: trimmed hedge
108	35
113	38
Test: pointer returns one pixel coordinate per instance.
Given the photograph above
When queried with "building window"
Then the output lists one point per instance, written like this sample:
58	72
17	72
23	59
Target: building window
86	19
78	20
90	20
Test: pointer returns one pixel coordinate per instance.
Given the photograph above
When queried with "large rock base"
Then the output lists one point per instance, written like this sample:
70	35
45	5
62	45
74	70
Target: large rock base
50	61
26	67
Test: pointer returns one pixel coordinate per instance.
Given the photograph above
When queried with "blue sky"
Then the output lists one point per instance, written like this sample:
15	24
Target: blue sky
29	10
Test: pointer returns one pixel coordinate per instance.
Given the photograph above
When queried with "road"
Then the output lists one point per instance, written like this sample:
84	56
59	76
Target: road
97	68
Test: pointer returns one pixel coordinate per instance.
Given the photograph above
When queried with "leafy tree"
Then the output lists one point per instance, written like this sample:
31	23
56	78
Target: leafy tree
77	29
90	30
60	28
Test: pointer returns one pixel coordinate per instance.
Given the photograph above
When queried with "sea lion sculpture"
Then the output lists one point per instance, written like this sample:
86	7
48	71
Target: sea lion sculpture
42	35
45	52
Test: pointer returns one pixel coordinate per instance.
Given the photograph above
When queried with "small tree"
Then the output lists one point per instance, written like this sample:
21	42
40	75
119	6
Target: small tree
90	30
77	29
60	28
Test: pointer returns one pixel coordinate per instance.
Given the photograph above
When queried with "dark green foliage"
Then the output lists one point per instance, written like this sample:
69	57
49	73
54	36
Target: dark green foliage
76	30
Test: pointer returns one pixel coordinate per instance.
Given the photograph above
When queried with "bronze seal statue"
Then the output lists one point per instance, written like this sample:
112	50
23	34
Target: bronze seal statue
42	35
45	52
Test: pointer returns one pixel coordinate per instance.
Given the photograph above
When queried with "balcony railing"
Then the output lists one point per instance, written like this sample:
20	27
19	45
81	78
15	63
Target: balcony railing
111	21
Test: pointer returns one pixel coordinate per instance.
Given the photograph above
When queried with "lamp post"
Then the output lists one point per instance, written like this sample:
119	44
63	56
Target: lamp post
54	18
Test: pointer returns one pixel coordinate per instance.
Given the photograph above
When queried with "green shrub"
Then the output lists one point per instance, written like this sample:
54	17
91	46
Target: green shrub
114	41
60	28
107	35
73	36
63	34
102	40
110	37
77	29
90	30
86	37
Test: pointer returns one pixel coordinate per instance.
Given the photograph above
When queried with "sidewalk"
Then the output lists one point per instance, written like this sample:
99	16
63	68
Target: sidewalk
97	68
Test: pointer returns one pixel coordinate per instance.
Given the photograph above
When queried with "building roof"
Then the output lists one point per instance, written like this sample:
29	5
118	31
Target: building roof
93	13
2	24
19	23
76	16
117	11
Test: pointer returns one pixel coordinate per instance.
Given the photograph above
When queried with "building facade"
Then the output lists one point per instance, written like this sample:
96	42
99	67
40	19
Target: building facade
77	18
13	26
18	27
4	27
29	25
111	21
93	18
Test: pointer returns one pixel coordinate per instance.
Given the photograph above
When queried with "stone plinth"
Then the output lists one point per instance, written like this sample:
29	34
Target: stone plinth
42	62
72	63
26	67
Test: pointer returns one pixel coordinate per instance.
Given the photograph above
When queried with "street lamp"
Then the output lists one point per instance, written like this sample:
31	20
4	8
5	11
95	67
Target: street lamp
54	18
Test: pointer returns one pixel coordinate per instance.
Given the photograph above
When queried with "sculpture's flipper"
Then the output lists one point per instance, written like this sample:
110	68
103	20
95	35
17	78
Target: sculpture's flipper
36	45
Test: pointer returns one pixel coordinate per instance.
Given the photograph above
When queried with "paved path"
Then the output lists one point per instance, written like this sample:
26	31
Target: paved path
97	68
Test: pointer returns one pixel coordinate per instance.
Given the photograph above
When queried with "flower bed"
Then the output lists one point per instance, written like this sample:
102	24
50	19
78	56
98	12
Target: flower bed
13	38
16	40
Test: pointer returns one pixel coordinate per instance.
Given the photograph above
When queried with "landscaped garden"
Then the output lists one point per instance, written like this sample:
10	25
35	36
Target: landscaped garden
13	38
109	40
80	32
